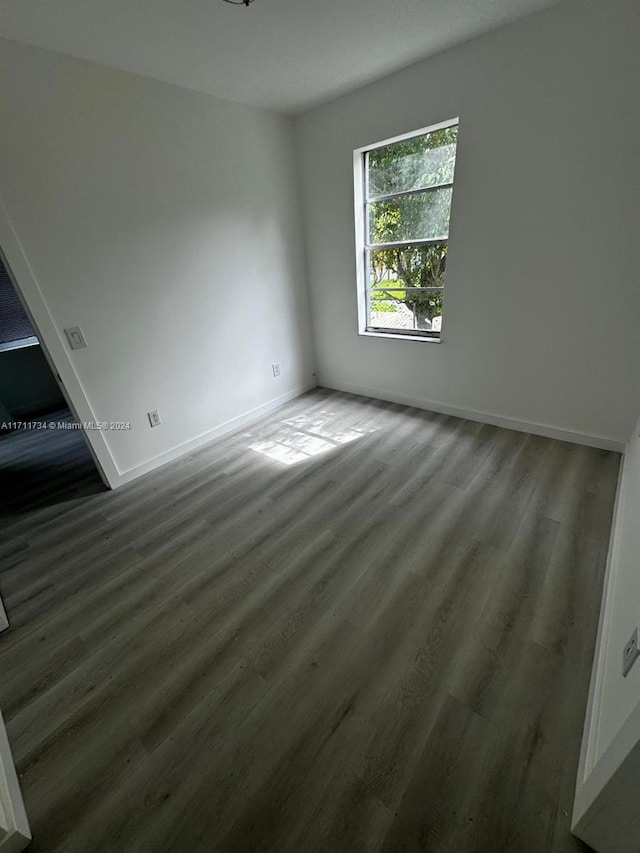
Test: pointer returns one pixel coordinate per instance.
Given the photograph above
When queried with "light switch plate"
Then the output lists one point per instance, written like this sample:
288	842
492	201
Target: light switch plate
75	337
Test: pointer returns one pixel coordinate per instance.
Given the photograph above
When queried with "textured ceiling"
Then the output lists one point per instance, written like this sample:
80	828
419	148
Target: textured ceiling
285	55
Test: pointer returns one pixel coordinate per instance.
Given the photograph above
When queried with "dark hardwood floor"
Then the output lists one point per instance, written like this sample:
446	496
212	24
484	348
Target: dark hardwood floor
355	627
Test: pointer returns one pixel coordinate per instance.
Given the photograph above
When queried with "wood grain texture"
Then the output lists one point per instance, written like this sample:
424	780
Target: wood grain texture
355	626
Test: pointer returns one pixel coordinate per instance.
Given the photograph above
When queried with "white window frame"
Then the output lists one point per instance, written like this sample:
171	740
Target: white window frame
361	225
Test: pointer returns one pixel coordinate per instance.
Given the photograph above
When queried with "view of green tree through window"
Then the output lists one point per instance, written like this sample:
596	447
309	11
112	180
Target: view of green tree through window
407	194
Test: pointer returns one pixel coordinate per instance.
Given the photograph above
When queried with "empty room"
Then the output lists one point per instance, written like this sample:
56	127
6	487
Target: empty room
324	536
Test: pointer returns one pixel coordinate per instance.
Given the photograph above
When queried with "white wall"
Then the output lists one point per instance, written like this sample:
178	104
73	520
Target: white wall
165	223
542	298
606	813
619	696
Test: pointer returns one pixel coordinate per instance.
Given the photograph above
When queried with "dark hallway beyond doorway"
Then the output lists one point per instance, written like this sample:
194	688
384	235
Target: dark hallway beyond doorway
46	471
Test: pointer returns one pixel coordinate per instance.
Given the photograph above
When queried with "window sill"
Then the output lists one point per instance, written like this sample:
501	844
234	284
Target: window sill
419	338
19	344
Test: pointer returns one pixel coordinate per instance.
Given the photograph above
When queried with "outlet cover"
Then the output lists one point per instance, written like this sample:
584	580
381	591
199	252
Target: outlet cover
154	418
631	653
276	368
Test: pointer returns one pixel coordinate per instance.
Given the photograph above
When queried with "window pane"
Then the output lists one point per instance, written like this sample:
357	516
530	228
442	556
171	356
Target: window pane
410	217
409	310
423	161
408	266
401	271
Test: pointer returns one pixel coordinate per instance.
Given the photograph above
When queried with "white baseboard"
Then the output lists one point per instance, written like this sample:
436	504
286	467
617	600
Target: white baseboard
590	740
605	814
600	441
4	622
605	811
15	834
204	438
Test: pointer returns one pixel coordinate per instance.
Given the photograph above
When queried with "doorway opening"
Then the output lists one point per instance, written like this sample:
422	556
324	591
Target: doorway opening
45	463
28	388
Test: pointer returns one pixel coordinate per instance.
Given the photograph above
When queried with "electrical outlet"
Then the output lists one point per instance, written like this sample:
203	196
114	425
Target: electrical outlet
154	418
276	368
630	654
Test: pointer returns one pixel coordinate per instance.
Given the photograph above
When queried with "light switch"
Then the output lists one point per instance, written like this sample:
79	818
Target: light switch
75	337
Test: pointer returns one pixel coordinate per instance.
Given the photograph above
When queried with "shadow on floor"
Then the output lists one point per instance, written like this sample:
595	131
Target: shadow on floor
44	467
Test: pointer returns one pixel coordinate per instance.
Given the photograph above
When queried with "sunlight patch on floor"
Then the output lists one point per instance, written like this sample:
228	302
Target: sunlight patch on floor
300	438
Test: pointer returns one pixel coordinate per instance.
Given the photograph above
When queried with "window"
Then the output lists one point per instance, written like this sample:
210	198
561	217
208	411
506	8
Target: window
403	190
15	327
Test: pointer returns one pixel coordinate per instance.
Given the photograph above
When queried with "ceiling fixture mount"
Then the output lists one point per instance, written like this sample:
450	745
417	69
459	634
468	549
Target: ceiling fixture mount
239	2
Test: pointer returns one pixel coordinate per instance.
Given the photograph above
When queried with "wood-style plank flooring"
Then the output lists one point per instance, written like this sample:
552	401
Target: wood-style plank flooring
355	627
